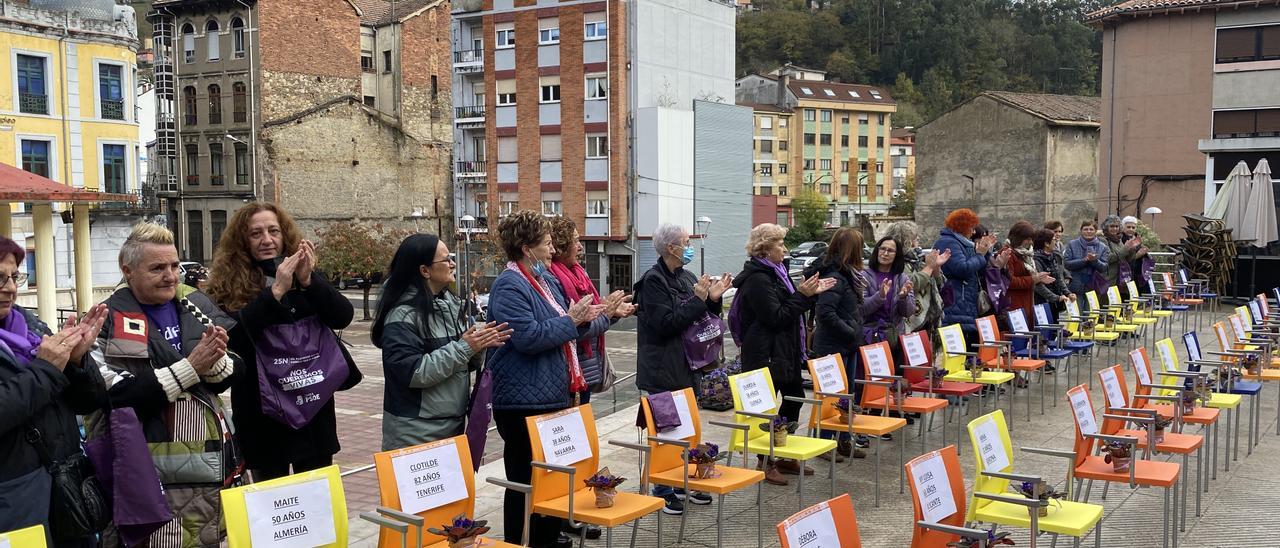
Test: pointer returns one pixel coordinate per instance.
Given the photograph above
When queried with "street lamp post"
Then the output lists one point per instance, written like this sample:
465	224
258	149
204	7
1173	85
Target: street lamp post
703	227
465	222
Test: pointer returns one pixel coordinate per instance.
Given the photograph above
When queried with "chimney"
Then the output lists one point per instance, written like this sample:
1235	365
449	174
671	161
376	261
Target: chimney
783	77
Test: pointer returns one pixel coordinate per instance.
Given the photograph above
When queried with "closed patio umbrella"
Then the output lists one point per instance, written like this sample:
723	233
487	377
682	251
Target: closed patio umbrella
1229	204
1259	221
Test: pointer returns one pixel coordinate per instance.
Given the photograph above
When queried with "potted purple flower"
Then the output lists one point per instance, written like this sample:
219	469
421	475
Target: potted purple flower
846	410
779	427
898	391
605	486
1251	363
704	456
462	532
1227	376
1190	399
993	539
936	376
1037	490
1116	454
1160	425
1088	326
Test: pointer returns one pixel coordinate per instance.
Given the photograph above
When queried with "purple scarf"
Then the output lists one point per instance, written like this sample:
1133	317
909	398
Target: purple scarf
17	339
781	271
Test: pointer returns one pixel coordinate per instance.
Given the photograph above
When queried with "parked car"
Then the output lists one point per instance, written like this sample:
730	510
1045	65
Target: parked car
797	265
809	249
353	281
194	274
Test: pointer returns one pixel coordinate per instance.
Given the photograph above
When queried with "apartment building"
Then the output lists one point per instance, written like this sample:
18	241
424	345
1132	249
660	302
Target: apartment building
68	112
1188	90
554	101
826	136
335	110
902	151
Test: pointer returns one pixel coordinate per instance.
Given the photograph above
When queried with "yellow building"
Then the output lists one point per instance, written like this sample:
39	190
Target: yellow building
67	97
67	112
824	136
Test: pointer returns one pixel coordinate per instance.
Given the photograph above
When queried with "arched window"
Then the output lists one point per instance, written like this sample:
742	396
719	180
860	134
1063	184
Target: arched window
211	36
188	43
239	103
189	106
237	37
215	104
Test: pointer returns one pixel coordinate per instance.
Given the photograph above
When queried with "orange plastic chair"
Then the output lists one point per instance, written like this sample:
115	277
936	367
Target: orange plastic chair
879	366
1142	472
669	462
825	416
392	508
1118	412
1207	417
829	523
996	352
938	500
558	490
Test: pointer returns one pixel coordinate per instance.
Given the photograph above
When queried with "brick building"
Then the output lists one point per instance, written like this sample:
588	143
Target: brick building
563	138
306	126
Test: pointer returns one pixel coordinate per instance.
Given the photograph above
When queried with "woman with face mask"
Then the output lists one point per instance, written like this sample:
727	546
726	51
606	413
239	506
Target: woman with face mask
537	371
1119	251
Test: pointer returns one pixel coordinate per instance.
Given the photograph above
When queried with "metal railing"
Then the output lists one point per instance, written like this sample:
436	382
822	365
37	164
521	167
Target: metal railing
113	110
33	103
473	166
215	179
474	111
147	200
469	56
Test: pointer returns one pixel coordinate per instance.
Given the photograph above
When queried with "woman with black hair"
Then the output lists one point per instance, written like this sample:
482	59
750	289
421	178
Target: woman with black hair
888	298
427	353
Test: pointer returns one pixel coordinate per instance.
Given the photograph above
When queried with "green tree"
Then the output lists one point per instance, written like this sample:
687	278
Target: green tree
809	211
352	249
904	202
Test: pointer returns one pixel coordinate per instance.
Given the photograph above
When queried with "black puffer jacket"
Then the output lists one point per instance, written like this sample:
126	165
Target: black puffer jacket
667	308
769	321
838	318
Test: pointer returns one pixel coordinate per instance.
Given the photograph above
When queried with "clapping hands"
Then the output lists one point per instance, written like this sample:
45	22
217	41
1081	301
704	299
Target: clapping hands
814	285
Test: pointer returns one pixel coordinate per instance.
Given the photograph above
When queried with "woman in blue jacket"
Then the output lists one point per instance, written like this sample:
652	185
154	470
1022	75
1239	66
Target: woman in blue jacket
1086	257
537	371
964	269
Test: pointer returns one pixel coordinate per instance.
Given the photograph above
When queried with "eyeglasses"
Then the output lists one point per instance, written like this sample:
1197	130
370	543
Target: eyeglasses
452	258
18	279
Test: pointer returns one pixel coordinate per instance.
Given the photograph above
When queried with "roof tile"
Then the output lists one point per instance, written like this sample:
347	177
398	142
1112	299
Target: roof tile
1054	108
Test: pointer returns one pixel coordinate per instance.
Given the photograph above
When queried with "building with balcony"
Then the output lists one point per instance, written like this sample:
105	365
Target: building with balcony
68	112
902	155
335	110
829	137
604	131
1188	90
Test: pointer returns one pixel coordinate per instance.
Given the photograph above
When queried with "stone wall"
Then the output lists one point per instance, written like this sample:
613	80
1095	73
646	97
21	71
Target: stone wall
310	53
351	162
426	53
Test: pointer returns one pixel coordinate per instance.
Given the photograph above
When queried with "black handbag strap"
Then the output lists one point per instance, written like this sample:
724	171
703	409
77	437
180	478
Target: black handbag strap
36	439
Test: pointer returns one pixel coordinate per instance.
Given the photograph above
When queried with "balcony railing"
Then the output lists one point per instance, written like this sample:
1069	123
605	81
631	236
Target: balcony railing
215	116
147	201
188	119
31	103
468	56
242	178
113	110
215	180
239	117
460	113
471	167
193	180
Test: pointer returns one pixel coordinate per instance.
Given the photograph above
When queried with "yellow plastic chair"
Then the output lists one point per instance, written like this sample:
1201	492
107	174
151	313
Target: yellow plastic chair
669	462
993	454
1074	322
829	523
428	465
279	508
957	360
754	403
831	385
1096	309
1130	307
557	488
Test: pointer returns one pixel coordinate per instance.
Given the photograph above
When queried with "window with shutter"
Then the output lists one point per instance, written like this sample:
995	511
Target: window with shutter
1235	45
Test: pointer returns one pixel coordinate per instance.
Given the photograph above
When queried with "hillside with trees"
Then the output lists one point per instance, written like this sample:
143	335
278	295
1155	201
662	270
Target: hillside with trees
931	54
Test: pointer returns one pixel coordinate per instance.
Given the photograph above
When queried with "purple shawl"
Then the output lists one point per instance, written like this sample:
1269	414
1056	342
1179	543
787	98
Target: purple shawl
17	339
781	271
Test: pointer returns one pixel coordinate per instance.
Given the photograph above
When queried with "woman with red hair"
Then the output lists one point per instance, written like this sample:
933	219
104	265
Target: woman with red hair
963	271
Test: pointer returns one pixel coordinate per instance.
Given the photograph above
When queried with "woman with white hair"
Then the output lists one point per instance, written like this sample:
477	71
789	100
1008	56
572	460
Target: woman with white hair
768	320
670	299
1129	231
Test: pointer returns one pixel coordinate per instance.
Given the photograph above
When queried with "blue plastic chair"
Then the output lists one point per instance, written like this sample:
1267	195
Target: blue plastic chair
1251	389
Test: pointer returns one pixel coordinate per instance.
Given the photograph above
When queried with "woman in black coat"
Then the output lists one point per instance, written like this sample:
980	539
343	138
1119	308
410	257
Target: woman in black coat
46	379
770	318
839	315
263	275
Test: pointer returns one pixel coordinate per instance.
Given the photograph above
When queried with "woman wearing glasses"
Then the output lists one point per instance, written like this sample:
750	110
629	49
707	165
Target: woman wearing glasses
428	353
46	379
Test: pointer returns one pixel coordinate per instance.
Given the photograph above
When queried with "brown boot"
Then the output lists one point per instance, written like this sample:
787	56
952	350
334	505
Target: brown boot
827	456
846	448
771	473
792	467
